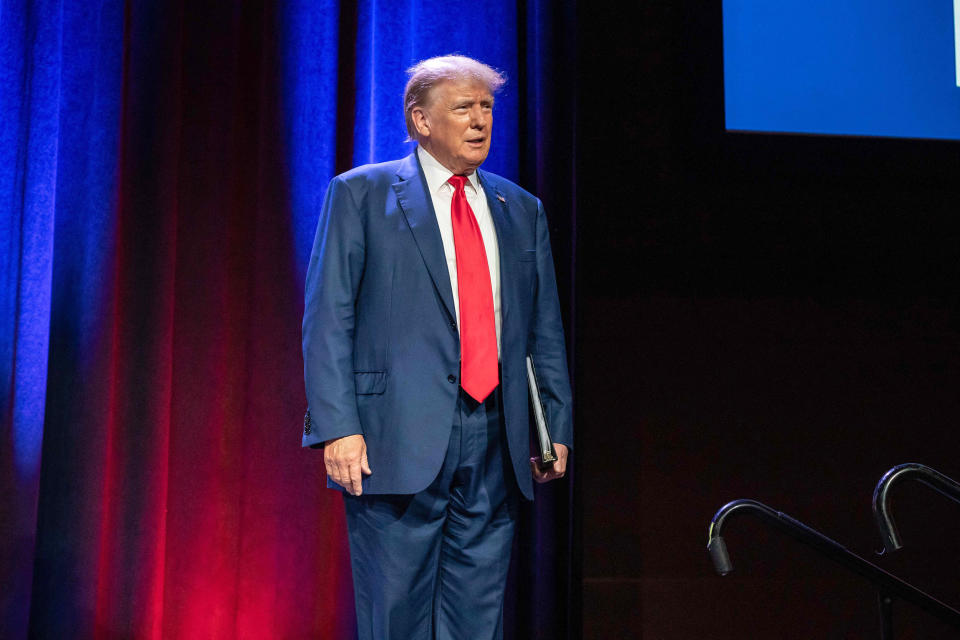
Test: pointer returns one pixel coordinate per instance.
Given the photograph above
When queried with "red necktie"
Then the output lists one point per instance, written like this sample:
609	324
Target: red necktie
478	331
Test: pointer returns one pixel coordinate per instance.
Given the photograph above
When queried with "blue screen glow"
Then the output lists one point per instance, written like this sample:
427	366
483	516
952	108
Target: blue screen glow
854	67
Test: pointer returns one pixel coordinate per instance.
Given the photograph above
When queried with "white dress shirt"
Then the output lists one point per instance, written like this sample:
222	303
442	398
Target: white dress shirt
441	192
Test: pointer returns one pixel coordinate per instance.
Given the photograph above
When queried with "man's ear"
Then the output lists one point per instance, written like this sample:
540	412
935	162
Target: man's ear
420	121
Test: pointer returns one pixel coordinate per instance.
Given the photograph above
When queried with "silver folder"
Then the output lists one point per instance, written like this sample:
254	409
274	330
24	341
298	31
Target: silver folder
544	443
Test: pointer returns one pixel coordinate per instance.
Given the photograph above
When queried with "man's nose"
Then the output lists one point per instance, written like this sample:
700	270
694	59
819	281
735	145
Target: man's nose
478	119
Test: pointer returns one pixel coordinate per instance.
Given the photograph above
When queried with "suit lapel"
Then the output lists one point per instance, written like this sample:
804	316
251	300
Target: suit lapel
417	207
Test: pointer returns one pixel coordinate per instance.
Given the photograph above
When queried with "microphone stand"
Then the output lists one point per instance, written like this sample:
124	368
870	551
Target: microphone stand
887	584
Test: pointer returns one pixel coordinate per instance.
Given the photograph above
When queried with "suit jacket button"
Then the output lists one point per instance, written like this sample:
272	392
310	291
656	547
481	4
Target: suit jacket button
451	378
307	423
453	325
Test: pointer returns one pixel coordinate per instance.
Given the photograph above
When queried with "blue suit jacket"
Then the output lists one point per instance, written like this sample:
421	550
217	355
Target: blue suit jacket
380	344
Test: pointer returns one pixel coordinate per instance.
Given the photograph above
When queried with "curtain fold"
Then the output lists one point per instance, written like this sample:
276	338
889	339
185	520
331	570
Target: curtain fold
162	164
58	134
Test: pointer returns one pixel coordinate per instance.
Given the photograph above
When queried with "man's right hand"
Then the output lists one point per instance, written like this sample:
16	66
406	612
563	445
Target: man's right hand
346	459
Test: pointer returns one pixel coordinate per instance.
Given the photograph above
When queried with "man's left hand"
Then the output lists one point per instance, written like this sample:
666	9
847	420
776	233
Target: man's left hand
556	470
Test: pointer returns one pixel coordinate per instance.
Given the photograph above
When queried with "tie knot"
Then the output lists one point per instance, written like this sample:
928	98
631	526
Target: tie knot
458	182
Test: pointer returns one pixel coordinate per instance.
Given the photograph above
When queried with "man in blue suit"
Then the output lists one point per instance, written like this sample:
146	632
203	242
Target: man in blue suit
429	284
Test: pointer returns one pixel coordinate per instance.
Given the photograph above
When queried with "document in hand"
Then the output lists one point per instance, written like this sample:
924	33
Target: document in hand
545	445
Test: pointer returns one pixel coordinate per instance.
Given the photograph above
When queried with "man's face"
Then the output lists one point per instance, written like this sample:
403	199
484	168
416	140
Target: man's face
455	127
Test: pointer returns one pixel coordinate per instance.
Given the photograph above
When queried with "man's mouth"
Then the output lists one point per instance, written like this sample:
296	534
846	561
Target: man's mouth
477	141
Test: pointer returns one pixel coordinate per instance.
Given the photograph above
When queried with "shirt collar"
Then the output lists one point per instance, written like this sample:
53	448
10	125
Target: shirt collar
437	174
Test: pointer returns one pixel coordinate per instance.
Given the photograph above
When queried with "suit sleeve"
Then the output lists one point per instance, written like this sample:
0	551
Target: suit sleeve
547	345
333	279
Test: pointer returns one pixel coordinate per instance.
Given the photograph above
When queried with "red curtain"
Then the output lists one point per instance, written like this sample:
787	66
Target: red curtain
183	505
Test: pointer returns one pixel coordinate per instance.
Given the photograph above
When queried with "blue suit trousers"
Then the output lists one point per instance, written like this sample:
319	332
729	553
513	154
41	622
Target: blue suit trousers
433	565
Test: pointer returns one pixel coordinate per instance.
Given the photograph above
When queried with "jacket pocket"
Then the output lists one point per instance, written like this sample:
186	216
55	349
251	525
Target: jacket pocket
528	255
370	382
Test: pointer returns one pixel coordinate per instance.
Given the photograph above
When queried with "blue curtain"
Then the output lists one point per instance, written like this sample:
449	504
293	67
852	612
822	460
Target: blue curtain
60	94
162	161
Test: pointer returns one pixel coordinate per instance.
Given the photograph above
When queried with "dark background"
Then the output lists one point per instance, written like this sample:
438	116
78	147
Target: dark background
758	316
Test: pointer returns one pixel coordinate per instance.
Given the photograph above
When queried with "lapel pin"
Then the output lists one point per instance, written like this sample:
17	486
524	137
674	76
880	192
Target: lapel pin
501	198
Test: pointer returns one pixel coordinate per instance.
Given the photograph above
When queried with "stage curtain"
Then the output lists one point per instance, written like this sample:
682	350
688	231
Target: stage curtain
161	169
